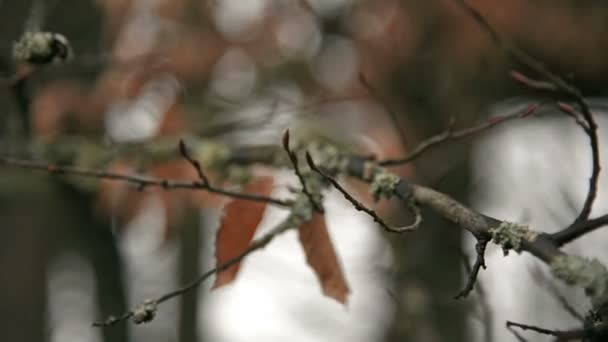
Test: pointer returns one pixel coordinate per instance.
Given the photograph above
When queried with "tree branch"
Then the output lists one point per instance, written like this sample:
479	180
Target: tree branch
480	262
295	163
361	207
141	181
561	335
450	134
578	229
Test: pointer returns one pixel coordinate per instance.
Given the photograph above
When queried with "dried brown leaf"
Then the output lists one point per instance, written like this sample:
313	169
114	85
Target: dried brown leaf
321	256
239	224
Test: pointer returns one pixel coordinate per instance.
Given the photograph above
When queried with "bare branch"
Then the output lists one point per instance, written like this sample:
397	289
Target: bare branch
450	134
564	302
139	180
561	335
294	161
361	207
578	229
485	316
480	262
516	334
183	150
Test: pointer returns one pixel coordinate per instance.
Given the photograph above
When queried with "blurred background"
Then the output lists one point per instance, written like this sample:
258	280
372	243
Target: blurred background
378	75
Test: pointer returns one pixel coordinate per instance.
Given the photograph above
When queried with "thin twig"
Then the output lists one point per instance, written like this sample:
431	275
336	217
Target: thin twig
561	335
450	134
183	150
480	262
141	181
578	229
533	328
571	112
516	334
485	316
541	277
254	246
361	207
564	302
294	161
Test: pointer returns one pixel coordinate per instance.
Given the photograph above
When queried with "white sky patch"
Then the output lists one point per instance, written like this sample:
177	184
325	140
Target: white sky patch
71	300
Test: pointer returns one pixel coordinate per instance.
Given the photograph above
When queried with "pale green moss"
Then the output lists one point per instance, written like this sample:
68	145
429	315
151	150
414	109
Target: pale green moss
509	235
589	274
211	155
301	211
383	185
238	175
327	157
41	48
145	312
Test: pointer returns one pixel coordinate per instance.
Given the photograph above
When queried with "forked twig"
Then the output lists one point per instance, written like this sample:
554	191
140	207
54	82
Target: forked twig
294	161
480	262
361	207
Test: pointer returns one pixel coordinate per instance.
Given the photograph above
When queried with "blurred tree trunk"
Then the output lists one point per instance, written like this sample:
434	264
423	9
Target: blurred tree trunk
428	271
190	247
97	242
25	207
41	217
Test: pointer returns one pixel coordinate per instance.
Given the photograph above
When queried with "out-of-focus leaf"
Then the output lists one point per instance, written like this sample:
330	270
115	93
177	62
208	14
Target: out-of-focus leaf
239	224
321	256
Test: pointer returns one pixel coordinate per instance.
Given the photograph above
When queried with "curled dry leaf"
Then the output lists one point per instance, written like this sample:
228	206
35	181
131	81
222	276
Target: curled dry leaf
237	228
322	258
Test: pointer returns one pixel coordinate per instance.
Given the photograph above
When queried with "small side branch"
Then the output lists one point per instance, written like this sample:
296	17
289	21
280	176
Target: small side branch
450	134
294	161
361	207
183	150
140	181
480	262
561	335
578	229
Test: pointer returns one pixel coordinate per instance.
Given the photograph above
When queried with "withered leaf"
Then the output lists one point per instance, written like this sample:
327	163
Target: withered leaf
321	256
237	228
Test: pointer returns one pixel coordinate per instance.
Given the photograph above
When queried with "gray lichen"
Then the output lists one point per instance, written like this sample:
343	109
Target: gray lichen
327	157
211	155
509	235
301	210
41	48
383	185
589	274
145	312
